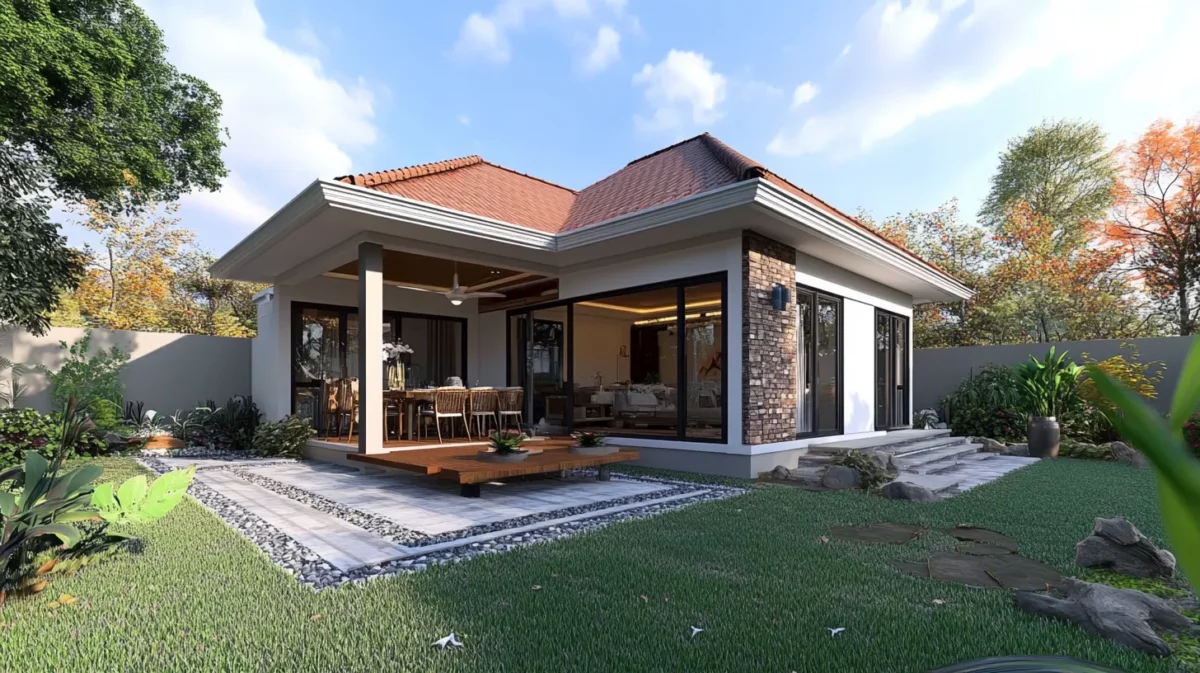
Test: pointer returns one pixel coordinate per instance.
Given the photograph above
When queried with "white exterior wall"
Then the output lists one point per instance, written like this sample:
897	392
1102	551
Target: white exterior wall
265	372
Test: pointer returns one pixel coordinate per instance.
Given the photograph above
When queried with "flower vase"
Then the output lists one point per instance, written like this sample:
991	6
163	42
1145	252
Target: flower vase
396	376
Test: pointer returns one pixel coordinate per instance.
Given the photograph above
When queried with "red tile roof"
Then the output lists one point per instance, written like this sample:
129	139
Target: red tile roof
687	168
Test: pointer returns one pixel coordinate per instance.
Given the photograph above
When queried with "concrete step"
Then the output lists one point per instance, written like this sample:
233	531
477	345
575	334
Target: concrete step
950	465
893	442
937	483
911	451
939	456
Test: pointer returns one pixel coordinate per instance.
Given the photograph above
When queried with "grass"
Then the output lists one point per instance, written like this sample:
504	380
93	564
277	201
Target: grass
751	570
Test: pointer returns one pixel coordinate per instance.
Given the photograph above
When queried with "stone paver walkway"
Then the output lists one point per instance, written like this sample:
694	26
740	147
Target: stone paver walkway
433	506
343	545
975	473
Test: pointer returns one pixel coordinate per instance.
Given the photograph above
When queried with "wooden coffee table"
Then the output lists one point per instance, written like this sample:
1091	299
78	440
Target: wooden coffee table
462	464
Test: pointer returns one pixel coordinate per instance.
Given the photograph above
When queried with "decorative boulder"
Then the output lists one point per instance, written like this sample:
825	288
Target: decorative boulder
883	459
1117	545
990	445
1123	453
902	490
1016	450
840	477
810	476
1124	616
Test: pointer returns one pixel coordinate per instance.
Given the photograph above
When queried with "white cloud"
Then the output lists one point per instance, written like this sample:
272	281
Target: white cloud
289	122
605	51
485	36
803	94
482	37
464	120
683	90
912	61
307	37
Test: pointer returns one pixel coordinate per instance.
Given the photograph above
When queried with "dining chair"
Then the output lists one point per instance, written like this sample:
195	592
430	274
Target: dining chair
349	404
512	406
484	405
448	403
329	406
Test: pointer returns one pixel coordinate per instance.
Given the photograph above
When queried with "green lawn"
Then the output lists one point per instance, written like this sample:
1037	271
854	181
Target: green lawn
751	570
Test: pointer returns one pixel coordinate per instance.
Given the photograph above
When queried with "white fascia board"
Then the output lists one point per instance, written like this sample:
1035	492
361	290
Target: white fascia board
374	202
302	207
789	205
697	205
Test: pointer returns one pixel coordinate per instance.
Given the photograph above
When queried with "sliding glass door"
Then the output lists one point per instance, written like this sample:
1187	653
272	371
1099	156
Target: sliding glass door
891	371
818	363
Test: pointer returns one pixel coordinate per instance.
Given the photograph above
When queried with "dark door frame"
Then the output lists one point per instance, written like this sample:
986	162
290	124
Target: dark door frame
888	422
811	353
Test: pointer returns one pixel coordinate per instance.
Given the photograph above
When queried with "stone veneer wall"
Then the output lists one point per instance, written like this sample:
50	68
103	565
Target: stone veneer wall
768	342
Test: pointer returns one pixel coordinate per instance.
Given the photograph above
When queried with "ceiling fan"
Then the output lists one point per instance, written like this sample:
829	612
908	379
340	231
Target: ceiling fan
458	294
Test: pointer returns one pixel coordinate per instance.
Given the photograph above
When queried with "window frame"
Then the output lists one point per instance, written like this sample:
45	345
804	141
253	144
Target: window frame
817	296
681	285
907	355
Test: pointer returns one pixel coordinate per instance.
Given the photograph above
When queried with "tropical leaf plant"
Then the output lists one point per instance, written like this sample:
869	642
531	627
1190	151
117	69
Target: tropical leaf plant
135	501
1161	440
1050	384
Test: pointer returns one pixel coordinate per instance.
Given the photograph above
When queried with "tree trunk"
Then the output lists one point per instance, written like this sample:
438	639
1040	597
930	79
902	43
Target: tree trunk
112	279
1185	311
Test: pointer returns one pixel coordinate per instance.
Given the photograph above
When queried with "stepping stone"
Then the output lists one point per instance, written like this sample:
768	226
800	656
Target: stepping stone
981	549
982	535
878	533
1008	571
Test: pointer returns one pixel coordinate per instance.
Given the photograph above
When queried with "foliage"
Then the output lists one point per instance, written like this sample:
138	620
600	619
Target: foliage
588	439
87	86
42	502
1089	419
1191	433
185	424
1065	173
24	430
137	502
144	422
1155	586
1156	223
925	419
1051	384
1162	442
229	427
283	438
1072	448
92	379
746	561
507	441
32	250
988	403
871	474
11	388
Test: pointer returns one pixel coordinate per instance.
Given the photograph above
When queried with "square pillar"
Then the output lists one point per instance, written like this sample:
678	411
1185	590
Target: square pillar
768	342
370	347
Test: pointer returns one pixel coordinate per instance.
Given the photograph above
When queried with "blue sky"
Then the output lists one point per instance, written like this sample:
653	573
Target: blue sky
890	106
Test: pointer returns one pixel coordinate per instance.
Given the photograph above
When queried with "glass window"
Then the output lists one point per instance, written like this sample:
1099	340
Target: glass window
437	350
704	363
828	364
818	363
804	371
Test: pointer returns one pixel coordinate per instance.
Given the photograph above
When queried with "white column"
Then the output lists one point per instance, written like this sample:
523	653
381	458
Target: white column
370	347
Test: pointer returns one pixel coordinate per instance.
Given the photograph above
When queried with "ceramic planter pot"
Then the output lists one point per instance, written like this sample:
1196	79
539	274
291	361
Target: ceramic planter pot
164	442
1044	436
593	450
493	457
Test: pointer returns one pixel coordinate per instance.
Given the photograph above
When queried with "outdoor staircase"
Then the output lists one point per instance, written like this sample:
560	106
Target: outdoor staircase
928	458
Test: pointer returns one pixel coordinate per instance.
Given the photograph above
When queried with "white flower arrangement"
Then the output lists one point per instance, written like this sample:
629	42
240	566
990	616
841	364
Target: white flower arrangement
393	351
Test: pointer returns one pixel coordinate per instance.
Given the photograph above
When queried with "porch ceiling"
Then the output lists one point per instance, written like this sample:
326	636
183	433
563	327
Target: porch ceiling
434	273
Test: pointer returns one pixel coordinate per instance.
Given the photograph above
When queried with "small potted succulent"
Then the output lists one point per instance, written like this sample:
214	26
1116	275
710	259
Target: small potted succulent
505	447
591	444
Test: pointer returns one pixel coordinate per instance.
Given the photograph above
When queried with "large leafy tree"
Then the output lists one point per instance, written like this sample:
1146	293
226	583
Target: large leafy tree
1157	220
86	91
1065	174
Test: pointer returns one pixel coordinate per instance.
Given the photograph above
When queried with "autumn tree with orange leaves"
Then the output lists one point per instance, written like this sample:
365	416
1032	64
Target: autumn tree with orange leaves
1156	222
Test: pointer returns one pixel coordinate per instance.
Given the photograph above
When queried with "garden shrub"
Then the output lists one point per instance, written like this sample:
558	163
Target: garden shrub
229	427
1090	419
283	438
872	475
1191	433
24	430
92	379
988	403
1071	448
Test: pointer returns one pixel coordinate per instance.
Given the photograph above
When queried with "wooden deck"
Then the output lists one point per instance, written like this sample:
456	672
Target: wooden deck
461	465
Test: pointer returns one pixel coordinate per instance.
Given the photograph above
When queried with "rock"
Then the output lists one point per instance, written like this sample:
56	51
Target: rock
113	439
940	426
840	477
780	472
902	490
990	445
1123	616
805	475
1123	453
1016	450
883	459
1115	544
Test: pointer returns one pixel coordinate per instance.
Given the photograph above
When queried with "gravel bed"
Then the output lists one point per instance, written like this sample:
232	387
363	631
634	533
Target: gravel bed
311	570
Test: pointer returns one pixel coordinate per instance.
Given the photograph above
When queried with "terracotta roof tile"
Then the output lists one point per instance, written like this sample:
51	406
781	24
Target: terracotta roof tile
687	168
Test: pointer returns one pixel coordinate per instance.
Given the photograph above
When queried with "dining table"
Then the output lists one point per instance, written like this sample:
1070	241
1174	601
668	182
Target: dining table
407	402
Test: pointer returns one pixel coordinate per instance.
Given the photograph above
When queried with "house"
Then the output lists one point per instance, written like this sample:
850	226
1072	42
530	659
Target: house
694	304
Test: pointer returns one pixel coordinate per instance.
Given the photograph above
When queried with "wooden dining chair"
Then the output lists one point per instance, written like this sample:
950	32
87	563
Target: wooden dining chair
484	405
448	403
330	418
512	406
349	404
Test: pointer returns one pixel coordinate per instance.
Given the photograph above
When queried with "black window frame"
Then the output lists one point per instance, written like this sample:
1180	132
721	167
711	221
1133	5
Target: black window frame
817	296
344	312
908	412
681	285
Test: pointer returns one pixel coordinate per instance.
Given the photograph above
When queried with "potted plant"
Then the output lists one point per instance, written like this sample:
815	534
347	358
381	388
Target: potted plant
591	444
150	428
1049	385
505	447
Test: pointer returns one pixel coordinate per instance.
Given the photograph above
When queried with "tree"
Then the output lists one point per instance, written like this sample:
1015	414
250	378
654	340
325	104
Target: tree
35	263
86	92
1156	222
1065	174
206	305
